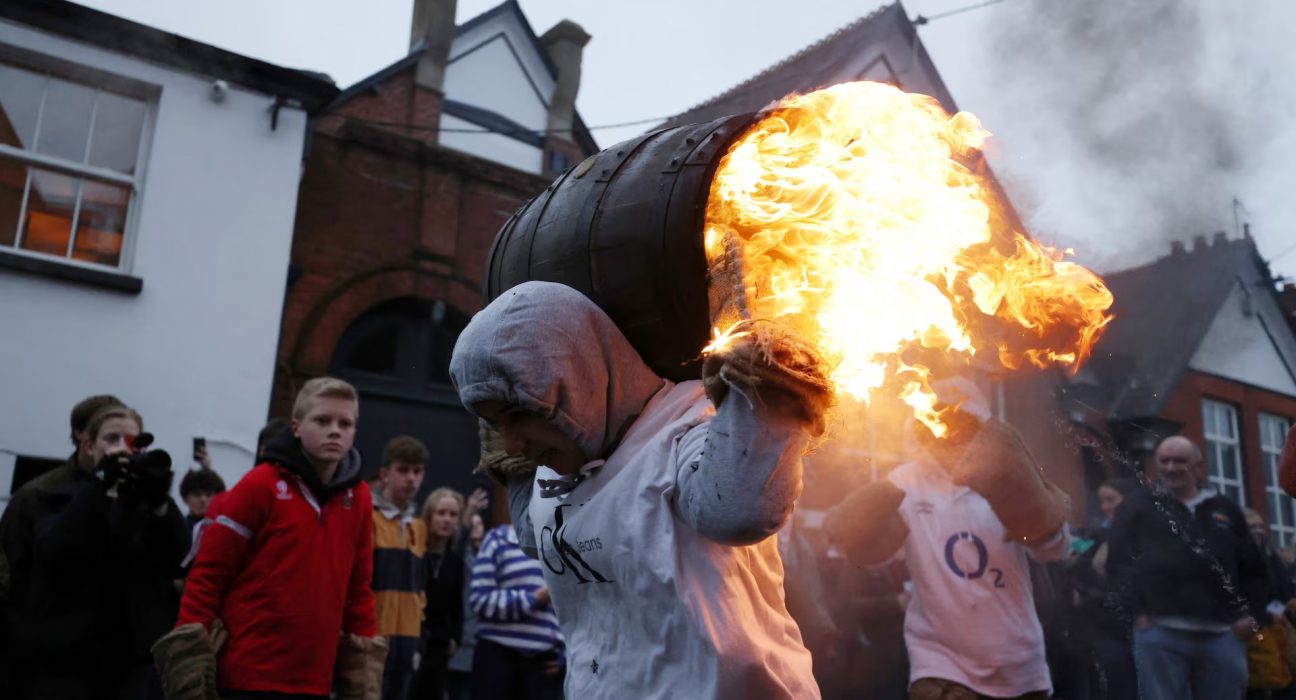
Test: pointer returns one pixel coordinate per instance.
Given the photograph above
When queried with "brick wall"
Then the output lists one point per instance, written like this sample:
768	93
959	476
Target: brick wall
383	213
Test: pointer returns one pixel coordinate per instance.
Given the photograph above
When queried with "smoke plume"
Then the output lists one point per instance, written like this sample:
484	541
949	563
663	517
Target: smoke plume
1131	123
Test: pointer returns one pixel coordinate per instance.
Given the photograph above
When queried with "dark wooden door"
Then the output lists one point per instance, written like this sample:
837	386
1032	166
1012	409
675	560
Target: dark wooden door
397	355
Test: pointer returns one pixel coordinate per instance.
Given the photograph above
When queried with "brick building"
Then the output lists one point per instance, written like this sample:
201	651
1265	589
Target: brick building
410	174
1201	346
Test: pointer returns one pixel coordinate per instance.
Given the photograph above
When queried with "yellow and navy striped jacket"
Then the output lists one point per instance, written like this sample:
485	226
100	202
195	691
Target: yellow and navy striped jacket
400	570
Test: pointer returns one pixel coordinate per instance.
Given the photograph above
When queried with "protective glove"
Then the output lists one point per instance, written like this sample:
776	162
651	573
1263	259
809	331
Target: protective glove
186	661
359	667
997	464
498	464
867	524
777	370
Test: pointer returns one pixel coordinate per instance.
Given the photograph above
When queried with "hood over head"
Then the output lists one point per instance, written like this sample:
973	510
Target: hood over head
285	450
549	349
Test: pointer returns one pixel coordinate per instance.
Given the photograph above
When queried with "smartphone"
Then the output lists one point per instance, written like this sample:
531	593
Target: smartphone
200	443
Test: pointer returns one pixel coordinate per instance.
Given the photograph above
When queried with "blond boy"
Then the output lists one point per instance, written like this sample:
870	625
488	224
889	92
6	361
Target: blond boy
283	566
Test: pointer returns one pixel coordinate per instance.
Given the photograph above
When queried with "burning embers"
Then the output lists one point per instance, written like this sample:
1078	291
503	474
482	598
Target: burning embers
852	217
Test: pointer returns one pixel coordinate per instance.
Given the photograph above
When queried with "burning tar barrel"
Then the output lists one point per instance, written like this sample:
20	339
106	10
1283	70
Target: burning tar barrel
624	227
858	219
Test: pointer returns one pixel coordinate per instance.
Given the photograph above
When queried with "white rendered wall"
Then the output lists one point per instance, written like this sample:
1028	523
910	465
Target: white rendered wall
495	147
195	350
492	78
1237	346
495	66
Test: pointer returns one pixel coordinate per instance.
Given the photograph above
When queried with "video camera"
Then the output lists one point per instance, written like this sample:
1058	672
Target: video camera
137	474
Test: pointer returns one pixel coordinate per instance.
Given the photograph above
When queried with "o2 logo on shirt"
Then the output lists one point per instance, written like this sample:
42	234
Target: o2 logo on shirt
952	545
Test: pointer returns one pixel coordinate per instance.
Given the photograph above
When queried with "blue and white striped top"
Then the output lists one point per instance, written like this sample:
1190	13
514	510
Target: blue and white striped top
504	584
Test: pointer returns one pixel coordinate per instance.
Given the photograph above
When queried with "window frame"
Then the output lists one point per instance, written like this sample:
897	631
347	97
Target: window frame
100	81
1213	439
1279	501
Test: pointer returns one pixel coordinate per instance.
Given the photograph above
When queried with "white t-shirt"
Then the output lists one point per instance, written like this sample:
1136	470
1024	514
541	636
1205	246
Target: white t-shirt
972	616
649	607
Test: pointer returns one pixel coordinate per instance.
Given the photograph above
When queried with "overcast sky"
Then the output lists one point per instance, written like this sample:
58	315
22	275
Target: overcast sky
1120	124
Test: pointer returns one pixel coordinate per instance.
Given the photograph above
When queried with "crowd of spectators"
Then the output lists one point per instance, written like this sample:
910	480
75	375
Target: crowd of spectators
108	585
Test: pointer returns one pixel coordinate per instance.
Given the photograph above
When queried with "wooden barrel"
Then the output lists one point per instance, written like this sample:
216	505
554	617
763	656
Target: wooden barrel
625	228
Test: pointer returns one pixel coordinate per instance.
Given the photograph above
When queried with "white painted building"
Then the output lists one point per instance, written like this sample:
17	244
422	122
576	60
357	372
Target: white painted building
501	77
148	186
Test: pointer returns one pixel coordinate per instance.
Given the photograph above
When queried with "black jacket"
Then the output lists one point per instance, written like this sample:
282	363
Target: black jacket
1169	562
443	617
86	581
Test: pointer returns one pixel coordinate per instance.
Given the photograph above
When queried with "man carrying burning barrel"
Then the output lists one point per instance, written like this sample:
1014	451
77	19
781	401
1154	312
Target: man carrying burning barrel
842	229
653	512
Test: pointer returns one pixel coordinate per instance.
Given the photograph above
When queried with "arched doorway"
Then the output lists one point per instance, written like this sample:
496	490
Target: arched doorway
397	354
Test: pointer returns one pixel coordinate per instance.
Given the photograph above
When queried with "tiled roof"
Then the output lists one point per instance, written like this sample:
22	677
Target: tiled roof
1163	311
823	63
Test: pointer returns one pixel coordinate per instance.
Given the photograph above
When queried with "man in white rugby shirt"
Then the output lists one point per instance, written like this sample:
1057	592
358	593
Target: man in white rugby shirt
970	512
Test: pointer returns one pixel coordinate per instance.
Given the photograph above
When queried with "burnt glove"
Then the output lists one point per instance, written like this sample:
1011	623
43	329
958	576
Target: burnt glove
774	369
867	523
739	474
358	671
186	661
997	464
516	474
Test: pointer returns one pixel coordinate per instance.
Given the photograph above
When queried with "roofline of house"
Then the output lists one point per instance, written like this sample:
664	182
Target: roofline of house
486	118
1265	277
526	24
674	120
375	79
312	90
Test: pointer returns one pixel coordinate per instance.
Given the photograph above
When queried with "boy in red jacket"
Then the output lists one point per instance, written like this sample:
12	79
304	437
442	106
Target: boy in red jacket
283	567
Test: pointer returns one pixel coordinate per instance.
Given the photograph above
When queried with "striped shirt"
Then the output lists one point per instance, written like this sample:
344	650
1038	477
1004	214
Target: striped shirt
504	585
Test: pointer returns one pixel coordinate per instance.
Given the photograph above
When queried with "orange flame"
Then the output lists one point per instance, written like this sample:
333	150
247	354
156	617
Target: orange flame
861	227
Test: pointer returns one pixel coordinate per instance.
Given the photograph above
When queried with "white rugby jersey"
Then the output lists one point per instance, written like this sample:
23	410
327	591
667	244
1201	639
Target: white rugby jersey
972	616
650	608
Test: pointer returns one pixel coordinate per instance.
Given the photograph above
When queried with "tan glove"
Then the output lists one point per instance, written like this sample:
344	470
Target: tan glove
775	368
359	667
186	661
867	524
997	464
497	463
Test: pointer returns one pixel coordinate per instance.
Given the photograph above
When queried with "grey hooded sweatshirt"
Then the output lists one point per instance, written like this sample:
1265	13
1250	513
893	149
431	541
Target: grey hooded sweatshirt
658	554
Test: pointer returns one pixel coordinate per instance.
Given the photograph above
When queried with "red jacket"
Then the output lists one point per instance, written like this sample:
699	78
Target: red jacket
286	573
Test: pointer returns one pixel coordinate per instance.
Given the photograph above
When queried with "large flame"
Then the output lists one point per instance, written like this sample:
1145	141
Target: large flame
862	226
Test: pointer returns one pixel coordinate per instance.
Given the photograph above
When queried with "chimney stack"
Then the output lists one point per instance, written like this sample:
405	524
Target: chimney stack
1199	243
1221	239
432	29
1177	248
565	43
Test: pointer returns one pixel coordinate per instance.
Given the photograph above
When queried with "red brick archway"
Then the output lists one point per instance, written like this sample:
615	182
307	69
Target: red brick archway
308	340
335	311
